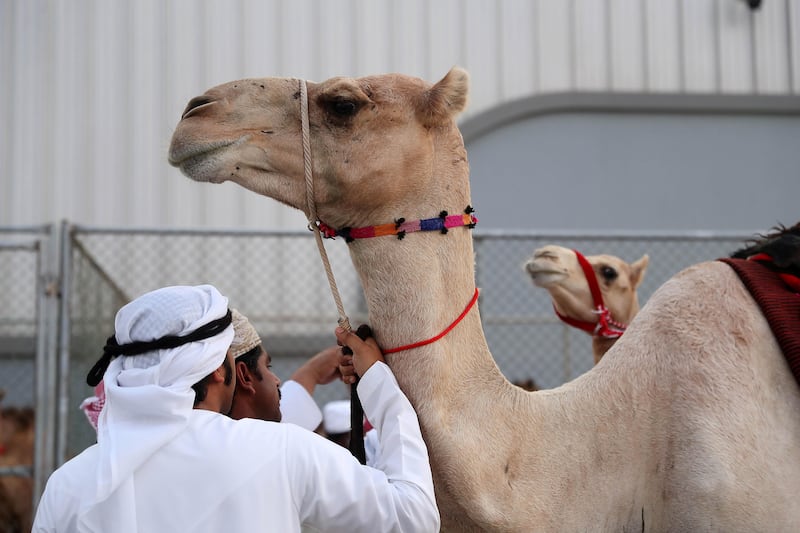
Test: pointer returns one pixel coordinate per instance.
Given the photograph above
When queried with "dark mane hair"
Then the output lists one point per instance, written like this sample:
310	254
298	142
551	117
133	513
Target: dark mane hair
782	244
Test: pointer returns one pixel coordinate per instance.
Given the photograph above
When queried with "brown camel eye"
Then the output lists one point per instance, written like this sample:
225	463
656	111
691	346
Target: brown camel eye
344	108
608	273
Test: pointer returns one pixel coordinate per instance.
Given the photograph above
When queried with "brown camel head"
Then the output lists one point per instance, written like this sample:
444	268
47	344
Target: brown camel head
365	133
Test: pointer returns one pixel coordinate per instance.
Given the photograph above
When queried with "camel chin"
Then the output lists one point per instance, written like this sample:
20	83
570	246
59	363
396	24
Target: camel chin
202	169
214	162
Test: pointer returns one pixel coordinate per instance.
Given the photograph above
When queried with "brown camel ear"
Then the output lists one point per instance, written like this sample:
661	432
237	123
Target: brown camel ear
638	268
444	100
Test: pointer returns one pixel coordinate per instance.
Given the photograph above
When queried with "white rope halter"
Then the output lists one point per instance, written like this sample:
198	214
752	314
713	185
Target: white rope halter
344	322
356	410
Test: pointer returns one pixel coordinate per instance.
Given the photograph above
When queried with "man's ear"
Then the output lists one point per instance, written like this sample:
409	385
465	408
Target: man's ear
244	379
218	376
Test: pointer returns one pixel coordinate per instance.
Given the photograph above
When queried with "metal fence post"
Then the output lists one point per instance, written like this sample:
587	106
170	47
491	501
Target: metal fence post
48	294
64	343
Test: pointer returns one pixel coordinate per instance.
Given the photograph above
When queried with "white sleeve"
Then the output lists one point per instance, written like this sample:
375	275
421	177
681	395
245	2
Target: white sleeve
299	407
372	447
57	508
333	492
43	521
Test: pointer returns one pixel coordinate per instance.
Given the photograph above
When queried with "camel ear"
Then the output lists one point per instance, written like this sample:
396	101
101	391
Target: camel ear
444	100
638	268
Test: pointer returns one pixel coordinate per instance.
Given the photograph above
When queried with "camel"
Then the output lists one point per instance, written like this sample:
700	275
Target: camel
690	424
605	314
16	454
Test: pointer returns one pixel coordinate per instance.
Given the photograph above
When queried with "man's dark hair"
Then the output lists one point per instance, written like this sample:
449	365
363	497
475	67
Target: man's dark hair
250	360
201	387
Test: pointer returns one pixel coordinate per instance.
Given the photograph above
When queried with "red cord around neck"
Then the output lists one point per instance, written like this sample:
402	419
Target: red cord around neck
447	330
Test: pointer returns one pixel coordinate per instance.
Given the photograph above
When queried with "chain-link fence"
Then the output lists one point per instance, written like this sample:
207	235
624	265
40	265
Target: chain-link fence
277	280
25	255
18	321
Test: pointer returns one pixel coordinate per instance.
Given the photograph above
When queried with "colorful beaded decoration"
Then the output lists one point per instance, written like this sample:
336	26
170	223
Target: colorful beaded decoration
401	227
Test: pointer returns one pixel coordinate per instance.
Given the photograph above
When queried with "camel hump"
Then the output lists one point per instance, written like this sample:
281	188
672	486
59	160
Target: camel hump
445	99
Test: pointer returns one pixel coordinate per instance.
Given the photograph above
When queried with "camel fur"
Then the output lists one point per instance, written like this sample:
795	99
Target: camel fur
16	451
690	423
557	270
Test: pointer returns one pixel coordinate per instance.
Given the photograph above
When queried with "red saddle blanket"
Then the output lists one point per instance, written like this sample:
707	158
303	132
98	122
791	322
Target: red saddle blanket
779	302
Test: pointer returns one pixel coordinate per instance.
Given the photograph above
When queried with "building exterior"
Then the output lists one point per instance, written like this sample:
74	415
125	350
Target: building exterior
92	90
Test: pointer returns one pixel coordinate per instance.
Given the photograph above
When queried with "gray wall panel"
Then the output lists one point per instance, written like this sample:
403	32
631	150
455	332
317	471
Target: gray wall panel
638	171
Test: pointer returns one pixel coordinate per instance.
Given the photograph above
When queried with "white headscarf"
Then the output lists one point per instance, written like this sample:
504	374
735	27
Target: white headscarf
149	397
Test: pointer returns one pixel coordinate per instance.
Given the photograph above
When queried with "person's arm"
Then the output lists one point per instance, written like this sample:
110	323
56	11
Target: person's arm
299	407
297	402
339	494
57	508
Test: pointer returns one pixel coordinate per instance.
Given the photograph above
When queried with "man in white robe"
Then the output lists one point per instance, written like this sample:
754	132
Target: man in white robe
297	405
255	382
168	460
255	387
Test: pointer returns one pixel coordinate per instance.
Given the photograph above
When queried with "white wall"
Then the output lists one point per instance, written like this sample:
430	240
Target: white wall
91	89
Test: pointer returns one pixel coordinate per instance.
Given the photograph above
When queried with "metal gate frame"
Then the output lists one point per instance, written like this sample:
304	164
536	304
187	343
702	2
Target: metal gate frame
41	241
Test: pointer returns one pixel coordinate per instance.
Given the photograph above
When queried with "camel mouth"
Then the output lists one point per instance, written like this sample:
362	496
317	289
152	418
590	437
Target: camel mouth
204	162
180	154
543	275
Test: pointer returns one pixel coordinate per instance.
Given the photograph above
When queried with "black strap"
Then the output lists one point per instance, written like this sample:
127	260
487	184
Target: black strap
113	348
356	446
357	410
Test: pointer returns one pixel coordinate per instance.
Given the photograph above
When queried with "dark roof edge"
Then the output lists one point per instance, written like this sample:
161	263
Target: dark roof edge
626	102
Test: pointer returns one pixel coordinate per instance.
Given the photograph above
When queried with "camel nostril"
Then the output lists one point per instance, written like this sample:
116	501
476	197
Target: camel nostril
196	103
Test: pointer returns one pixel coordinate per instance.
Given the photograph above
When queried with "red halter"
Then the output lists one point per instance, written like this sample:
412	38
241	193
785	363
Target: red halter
605	327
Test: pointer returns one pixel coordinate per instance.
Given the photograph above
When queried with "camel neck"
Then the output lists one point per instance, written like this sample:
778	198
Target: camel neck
415	289
393	271
600	345
402	227
448	329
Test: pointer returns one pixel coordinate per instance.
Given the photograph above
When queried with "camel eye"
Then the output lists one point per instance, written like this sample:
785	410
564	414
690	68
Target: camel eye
608	273
344	108
340	106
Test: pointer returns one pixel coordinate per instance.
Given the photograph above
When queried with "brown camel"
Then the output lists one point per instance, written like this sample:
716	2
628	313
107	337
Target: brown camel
691	425
16	454
561	271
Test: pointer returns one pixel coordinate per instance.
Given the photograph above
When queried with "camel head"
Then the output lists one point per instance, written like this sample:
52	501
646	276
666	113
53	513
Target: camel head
376	142
557	269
